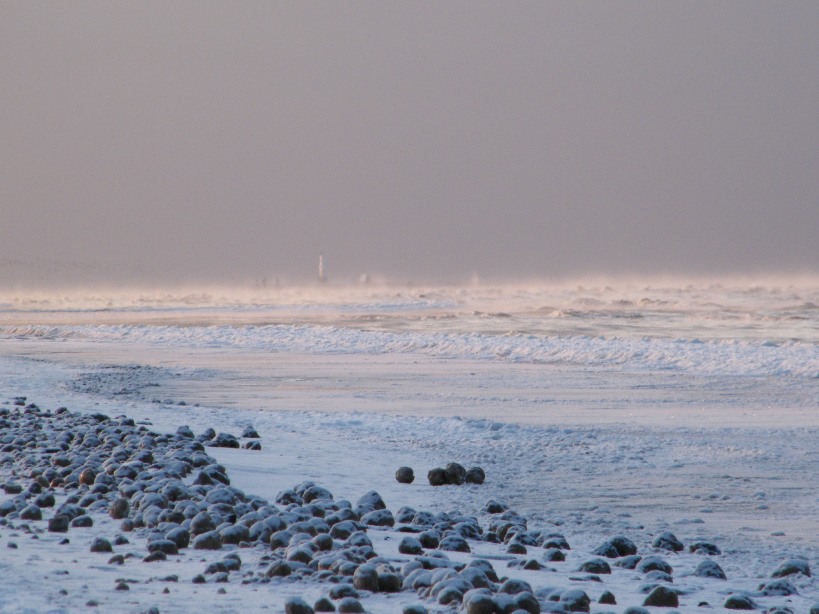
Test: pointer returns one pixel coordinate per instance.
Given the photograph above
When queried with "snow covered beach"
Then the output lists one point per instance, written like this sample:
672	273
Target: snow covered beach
594	412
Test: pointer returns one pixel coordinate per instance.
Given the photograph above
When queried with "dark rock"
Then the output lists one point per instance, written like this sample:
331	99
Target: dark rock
350	605
437	476
650	563
369	503
475	475
324	605
236	534
250	433
378	518
155	556
706	548
279	569
179	536
455	474
31	512
575	600
365	578
415	608
59	524
405	475
739	602
82	522
340	591
629	562
163	545
494	507
554	555
668	541
87	476
202	523
792	567
185	431
607	598
513	586
662	597
297	605
389	583
208	541
778	588
316	493
12	488
100	544
410	545
429	539
709	569
597	566
253	445
119	509
623	546
479	601
453	542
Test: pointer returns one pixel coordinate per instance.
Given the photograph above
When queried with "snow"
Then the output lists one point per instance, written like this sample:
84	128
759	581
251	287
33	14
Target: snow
589	431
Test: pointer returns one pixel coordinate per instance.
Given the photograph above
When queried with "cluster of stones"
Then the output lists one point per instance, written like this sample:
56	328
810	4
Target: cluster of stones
173	494
455	474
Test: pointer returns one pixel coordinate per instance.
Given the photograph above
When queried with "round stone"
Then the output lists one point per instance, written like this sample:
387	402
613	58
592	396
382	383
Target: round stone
405	475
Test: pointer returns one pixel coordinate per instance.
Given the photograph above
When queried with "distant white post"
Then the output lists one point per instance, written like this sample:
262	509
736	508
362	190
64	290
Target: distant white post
321	276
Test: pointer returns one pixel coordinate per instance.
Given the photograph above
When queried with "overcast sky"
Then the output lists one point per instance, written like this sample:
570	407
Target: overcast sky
196	141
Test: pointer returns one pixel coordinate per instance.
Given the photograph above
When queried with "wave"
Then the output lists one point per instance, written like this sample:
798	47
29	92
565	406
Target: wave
720	356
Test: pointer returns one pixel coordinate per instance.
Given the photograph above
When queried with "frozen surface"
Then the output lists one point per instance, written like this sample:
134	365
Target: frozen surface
594	412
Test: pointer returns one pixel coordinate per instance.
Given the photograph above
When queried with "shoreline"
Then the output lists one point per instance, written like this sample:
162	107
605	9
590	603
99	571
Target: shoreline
585	528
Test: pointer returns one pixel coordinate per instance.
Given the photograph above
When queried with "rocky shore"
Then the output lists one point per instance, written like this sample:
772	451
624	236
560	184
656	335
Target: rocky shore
134	500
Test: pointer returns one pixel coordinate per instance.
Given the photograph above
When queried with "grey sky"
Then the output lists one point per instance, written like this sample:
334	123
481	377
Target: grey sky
195	141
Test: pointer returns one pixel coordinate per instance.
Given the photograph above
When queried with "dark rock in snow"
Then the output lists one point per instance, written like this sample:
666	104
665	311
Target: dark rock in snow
792	567
475	475
662	597
597	566
350	605
494	507
297	605
778	588
405	475
739	602
369	503
709	569
668	541
59	524
378	518
207	541
437	476
410	545
365	578
31	512
651	563
100	544
554	555
607	598
706	548
455	474
250	433
575	600
324	605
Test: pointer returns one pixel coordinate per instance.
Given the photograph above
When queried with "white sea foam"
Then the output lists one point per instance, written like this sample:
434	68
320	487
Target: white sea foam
702	329
642	354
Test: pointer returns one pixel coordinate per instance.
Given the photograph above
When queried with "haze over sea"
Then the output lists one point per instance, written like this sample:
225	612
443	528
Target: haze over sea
728	345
